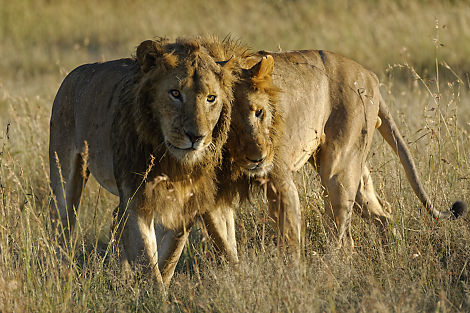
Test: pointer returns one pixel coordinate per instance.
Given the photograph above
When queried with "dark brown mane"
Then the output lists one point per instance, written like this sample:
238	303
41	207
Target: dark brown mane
192	54
139	131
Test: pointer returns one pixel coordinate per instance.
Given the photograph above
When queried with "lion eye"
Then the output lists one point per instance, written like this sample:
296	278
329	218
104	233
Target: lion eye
211	98
259	113
175	94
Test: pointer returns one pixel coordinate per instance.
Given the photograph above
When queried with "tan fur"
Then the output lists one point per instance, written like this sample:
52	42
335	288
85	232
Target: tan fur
155	138
330	106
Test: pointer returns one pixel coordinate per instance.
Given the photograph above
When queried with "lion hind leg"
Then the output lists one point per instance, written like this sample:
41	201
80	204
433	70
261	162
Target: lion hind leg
67	181
338	206
368	202
340	178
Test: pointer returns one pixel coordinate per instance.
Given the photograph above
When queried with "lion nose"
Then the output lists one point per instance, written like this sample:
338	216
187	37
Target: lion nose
259	160
194	138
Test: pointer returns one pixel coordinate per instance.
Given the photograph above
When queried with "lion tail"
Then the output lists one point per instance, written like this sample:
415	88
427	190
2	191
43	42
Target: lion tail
389	131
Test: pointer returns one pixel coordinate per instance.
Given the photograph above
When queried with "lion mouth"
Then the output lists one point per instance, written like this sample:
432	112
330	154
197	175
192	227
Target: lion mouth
190	154
173	147
256	169
188	149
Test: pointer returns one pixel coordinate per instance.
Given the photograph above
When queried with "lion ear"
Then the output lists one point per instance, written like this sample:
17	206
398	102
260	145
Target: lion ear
264	68
229	64
150	53
147	54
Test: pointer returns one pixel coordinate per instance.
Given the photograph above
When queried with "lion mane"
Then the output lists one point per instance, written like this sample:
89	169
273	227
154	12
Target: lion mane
255	79
138	138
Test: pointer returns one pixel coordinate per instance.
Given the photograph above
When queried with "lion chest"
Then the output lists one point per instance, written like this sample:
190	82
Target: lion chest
177	202
161	191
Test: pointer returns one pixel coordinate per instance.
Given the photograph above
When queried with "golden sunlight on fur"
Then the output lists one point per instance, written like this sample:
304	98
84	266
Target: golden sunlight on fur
155	127
325	113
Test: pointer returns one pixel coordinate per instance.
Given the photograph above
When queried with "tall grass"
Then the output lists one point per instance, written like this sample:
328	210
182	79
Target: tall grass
416	265
45	36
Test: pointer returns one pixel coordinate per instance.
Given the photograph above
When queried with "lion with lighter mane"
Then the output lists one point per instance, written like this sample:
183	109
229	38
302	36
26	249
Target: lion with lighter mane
152	129
329	107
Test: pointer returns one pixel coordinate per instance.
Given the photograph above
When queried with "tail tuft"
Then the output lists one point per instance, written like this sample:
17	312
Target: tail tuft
458	209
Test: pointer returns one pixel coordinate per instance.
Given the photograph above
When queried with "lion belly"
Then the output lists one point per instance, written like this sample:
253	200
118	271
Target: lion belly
95	101
300	139
305	105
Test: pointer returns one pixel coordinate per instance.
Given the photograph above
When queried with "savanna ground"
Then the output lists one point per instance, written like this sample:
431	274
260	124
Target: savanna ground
419	49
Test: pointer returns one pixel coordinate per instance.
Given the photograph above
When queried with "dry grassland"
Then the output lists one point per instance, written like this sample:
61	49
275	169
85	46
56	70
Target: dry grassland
420	50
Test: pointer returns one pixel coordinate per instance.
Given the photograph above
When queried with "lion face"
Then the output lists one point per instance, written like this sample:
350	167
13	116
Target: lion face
188	115
252	136
188	100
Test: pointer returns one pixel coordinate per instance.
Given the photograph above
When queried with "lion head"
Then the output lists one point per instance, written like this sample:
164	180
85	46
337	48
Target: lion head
256	121
177	109
184	100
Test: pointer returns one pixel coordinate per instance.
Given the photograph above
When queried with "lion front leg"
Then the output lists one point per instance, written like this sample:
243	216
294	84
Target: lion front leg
170	246
139	240
220	226
284	207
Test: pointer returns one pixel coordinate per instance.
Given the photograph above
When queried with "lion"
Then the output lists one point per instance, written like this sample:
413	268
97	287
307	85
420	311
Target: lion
151	130
328	109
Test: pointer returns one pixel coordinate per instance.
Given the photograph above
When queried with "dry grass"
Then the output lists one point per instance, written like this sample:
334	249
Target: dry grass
419	266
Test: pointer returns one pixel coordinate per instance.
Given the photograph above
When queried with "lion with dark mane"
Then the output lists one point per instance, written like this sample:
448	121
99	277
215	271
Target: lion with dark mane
152	129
